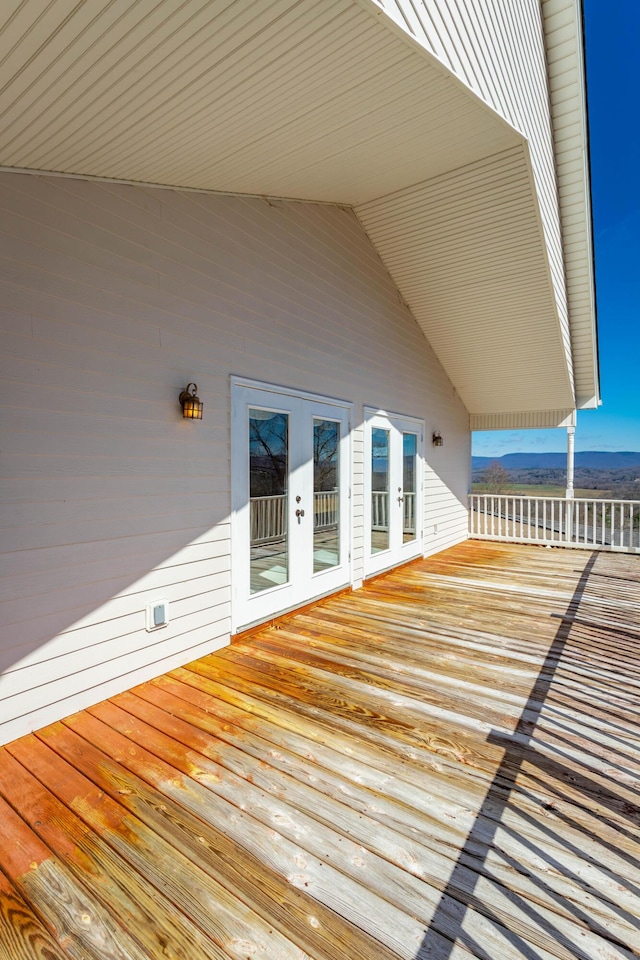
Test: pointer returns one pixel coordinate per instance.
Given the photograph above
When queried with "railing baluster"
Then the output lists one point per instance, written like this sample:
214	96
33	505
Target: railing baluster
589	523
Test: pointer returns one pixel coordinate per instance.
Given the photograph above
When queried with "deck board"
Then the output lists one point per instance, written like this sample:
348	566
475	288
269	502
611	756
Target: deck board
443	764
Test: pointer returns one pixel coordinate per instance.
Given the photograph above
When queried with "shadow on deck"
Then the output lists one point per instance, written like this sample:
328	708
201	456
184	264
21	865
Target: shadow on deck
521	755
444	764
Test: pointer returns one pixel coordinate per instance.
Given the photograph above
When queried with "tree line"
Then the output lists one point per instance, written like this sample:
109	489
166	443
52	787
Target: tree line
620	484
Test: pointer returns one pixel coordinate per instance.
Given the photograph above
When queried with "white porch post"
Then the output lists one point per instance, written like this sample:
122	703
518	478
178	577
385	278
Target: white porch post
570	458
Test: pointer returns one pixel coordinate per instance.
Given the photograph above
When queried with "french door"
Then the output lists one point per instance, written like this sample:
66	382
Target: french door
290	479
393	487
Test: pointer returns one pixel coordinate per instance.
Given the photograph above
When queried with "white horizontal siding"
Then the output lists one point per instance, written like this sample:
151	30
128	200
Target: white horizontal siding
563	30
535	420
465	250
329	102
498	49
115	297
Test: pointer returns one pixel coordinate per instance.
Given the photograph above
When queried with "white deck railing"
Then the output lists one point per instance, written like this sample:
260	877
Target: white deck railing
380	508
269	515
326	509
268	518
591	524
409	517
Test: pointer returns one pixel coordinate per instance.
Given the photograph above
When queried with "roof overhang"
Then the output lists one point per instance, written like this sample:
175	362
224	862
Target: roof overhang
326	102
563	30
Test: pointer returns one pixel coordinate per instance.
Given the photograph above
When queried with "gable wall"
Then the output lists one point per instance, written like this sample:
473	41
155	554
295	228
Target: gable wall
113	298
497	48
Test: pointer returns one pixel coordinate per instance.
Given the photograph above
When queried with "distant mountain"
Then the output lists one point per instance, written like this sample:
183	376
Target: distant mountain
591	459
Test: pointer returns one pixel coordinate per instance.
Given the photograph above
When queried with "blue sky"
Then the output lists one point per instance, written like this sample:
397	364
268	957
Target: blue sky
613	77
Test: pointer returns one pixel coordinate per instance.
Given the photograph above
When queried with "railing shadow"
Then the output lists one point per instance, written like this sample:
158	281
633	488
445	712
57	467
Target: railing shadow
549	776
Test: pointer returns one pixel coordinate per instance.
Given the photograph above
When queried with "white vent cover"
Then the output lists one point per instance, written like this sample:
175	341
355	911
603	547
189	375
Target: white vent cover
157	614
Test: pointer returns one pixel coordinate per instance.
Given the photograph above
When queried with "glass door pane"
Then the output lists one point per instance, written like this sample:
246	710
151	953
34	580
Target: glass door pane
393	446
409	471
379	490
268	490
290	458
326	494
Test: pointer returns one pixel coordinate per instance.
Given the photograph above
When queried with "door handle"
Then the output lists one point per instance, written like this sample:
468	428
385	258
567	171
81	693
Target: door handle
299	513
400	499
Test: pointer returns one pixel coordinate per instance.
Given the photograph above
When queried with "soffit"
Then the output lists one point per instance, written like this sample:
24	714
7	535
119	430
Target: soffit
465	250
325	102
297	99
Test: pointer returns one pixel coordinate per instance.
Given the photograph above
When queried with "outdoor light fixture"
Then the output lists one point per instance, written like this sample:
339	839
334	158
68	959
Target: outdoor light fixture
191	404
436	439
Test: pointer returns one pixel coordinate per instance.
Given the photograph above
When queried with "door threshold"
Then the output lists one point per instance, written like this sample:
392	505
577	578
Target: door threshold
391	569
283	616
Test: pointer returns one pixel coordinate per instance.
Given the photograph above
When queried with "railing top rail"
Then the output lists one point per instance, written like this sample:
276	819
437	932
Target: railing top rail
525	496
590	523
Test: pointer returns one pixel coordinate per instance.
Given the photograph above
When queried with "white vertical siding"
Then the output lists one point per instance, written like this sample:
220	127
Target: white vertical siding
113	298
497	48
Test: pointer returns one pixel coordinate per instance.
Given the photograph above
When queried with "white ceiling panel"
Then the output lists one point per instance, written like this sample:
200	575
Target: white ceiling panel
304	100
464	249
315	101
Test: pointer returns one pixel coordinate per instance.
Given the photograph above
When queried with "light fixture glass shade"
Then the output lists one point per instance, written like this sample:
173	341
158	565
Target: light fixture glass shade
437	438
192	405
192	409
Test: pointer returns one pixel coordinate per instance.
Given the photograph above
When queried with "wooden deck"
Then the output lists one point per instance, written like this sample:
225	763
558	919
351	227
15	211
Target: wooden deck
444	764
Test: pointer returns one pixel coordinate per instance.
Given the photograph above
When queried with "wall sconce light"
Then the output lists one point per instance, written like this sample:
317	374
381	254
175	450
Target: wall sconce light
192	405
436	439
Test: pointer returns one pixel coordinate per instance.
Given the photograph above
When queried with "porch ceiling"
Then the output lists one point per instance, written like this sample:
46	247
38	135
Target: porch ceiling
325	102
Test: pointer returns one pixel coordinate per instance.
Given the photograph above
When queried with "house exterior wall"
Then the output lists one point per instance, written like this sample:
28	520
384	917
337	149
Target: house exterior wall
498	49
113	298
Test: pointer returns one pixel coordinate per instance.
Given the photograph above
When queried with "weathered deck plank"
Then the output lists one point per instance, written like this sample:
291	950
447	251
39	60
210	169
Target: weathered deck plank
136	904
444	764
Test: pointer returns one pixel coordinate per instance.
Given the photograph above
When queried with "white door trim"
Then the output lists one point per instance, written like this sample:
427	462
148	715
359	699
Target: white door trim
280	598
398	552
